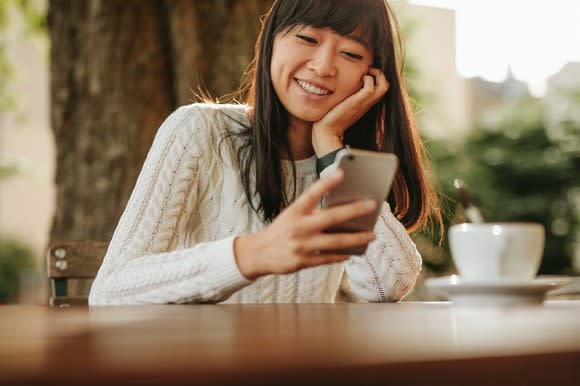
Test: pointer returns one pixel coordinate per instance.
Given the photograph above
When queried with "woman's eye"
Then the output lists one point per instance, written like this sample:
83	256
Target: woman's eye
306	38
352	55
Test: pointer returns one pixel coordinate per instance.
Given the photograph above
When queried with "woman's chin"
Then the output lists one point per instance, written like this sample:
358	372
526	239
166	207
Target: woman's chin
311	117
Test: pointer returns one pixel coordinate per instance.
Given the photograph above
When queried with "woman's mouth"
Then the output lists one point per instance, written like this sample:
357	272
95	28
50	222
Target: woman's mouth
310	88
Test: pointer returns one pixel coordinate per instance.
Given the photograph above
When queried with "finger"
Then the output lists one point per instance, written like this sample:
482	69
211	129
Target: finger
369	83
325	243
367	96
312	196
381	82
328	217
374	71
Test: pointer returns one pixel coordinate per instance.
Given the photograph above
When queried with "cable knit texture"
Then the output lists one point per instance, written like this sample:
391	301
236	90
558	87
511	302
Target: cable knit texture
174	241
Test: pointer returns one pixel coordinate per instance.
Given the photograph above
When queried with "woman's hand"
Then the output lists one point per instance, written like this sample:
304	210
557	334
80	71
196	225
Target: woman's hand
296	238
328	132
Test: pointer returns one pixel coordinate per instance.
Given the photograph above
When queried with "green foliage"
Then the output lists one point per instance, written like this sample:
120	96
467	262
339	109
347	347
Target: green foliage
9	168
15	259
32	13
518	168
7	101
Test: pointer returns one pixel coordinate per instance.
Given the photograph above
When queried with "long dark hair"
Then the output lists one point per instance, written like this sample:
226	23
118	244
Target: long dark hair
388	126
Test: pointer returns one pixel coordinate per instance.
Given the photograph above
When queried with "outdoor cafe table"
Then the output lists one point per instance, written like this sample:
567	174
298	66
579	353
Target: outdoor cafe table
338	344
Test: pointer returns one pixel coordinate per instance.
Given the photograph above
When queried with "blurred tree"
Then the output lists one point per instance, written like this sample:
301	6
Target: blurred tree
15	259
118	68
521	166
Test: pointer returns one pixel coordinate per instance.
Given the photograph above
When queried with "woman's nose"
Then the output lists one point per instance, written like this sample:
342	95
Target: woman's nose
323	62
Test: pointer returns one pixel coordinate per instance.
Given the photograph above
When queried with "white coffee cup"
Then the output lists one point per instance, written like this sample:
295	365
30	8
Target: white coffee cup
497	251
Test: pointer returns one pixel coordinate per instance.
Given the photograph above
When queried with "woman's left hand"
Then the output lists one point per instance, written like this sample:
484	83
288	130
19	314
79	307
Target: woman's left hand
327	133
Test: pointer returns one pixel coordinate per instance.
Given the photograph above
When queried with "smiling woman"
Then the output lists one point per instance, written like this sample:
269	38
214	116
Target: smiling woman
314	69
226	208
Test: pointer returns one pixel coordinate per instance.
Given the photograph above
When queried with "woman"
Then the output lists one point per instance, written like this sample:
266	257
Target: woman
225	208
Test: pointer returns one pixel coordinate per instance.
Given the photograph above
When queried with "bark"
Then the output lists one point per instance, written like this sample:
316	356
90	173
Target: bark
118	68
212	43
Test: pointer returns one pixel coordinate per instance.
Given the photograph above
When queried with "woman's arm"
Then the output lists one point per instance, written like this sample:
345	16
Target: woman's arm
141	264
390	267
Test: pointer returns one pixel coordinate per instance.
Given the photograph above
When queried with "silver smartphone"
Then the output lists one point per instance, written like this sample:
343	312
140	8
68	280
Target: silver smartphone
367	175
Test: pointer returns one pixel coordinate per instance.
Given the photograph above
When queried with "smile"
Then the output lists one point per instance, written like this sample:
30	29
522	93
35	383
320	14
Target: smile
311	88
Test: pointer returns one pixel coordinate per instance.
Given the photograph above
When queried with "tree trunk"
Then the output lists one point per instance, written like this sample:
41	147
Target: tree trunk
212	43
118	68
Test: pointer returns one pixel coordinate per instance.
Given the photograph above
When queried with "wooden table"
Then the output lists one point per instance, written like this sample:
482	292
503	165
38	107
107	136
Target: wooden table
337	344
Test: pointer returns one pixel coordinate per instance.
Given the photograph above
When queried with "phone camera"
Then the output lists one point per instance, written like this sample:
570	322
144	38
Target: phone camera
351	157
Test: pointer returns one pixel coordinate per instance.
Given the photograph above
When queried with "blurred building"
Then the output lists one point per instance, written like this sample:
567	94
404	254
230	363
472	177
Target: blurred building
485	96
446	110
568	78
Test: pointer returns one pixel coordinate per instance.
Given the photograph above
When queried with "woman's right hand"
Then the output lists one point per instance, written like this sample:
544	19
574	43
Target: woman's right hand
296	238
328	132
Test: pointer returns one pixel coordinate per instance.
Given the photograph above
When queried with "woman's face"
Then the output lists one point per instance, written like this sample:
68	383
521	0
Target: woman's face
314	69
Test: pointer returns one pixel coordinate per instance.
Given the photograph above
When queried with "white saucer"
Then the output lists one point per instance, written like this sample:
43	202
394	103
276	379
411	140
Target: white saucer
496	292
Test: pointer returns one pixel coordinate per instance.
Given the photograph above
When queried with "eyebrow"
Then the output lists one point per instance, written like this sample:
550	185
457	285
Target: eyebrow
353	37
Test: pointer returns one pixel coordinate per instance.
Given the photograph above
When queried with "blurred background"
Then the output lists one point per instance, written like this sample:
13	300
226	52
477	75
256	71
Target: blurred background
84	85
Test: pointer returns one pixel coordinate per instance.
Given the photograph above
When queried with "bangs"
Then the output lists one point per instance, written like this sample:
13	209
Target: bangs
356	18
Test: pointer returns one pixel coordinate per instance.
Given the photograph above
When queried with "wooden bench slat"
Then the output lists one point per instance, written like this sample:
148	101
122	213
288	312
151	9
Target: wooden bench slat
79	260
72	260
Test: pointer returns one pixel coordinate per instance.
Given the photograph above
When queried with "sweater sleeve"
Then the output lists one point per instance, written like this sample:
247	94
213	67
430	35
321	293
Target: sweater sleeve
143	263
390	267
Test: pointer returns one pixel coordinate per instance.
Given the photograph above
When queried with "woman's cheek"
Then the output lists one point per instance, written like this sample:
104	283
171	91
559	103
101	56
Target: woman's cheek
356	88
358	85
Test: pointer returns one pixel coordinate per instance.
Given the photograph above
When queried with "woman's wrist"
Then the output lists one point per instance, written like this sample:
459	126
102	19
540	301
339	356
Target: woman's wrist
325	144
245	255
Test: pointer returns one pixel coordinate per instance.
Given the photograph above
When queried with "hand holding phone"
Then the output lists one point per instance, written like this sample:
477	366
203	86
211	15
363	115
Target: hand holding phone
367	175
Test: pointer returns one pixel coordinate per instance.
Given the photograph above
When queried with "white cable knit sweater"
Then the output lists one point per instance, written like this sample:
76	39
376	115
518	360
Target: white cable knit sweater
174	242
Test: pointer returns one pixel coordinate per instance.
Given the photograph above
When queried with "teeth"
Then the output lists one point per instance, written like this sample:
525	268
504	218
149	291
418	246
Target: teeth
311	88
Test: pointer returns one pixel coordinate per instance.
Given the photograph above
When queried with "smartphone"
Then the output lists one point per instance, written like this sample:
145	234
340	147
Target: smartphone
367	175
